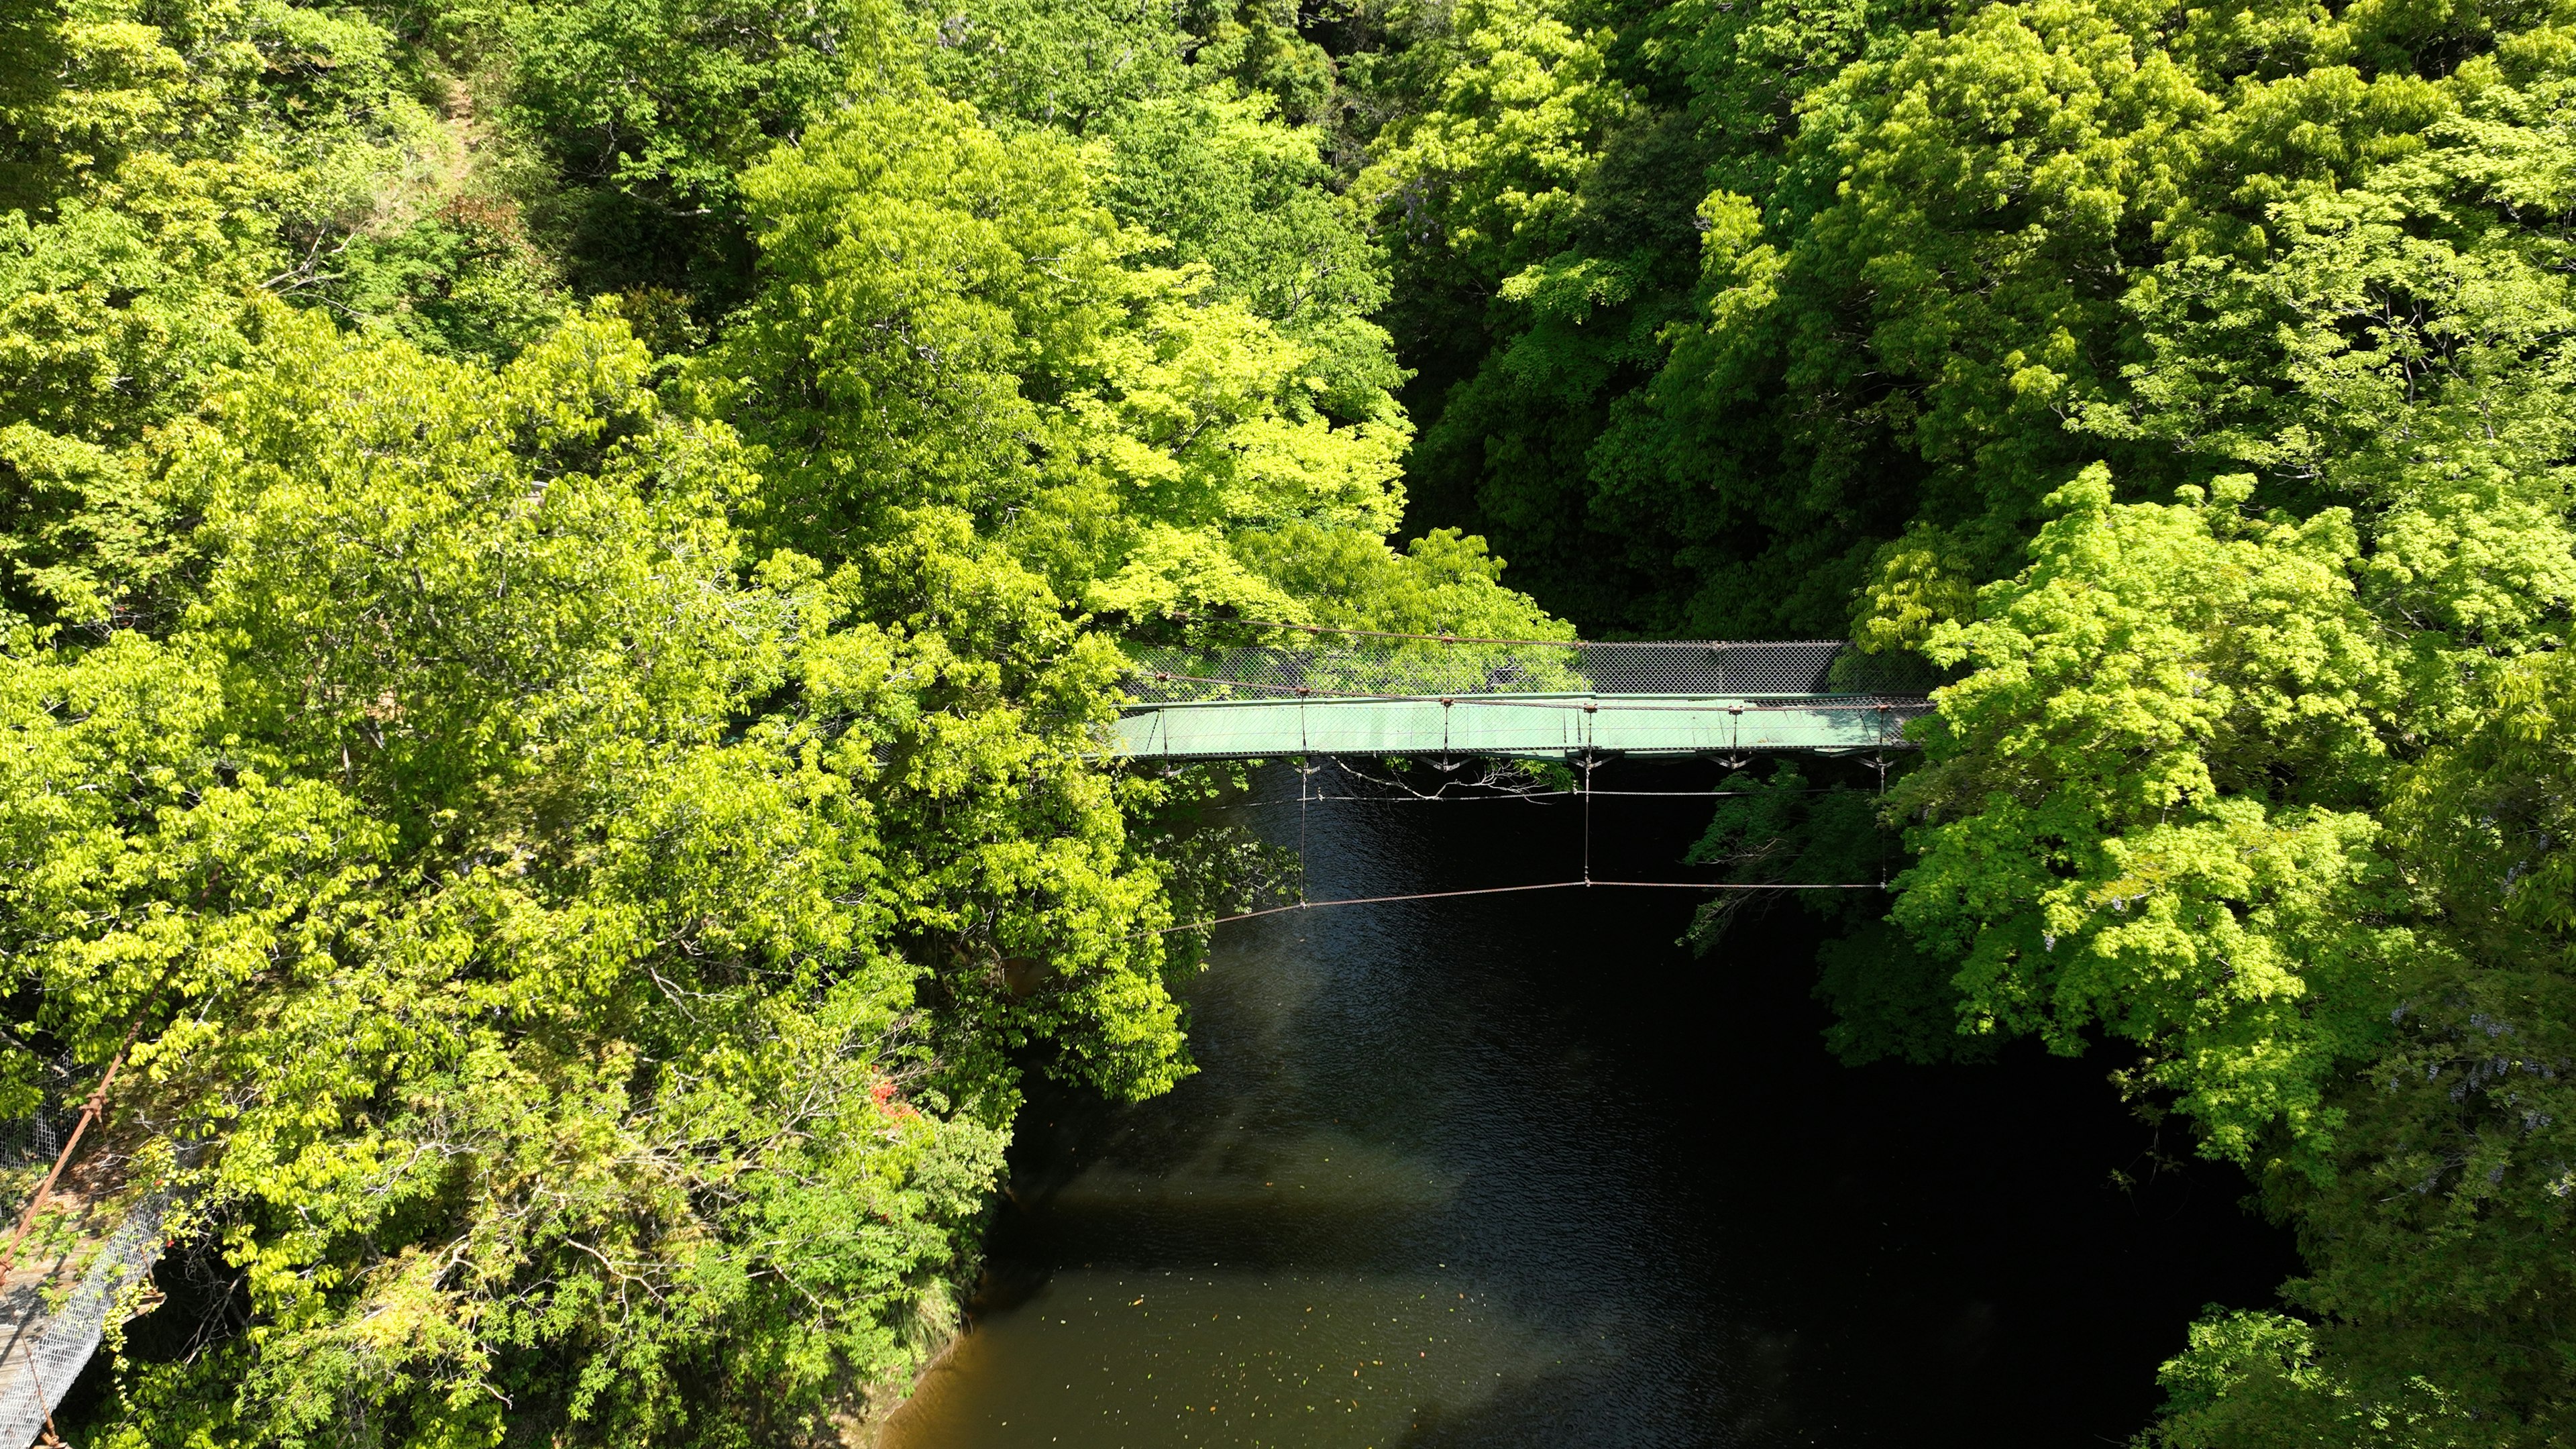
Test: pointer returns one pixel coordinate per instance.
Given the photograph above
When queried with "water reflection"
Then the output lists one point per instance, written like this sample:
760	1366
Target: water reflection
1515	1170
1141	1356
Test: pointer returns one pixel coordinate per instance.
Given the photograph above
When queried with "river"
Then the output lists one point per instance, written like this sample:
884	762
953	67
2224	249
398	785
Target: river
1519	1170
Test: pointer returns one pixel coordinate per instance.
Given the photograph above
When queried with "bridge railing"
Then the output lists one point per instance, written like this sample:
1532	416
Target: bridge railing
1413	667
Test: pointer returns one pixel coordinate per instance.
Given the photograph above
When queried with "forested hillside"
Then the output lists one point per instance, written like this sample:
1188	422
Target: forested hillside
2195	384
556	659
559	565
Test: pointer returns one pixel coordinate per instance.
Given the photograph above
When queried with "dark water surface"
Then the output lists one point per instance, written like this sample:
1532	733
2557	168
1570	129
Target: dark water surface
1518	1170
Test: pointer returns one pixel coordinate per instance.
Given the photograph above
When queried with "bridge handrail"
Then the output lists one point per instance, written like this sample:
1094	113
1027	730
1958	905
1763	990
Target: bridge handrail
1381	665
1740	703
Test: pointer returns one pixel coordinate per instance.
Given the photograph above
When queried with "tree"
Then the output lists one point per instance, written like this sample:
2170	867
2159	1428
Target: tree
957	341
2436	1250
644	116
506	898
586	867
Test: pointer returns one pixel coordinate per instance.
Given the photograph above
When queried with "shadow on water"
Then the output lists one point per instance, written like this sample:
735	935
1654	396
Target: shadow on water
1519	1170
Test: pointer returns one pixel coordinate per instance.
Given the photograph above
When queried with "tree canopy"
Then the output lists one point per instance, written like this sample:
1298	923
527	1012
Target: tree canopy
560	566
558	651
2188	385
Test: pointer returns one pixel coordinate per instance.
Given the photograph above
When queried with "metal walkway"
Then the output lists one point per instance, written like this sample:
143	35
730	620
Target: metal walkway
1407	695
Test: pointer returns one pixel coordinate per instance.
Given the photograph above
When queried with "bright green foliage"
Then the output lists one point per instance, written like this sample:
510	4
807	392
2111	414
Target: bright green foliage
1244	197
589	841
958	338
1479	191
592	836
2438	1251
1946	261
1216	133
2136	810
546	1000
1486	178
2163	808
2252	1380
1978	288
223	117
2438	1265
145	188
165	172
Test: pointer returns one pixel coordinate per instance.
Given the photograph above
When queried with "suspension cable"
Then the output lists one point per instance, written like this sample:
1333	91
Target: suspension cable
1515	796
1881	762
1583	789
1553	885
1302	780
1305	777
1587	817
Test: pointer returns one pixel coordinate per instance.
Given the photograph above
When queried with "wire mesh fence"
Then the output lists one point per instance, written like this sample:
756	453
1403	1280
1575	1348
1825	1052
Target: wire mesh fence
1407	667
43	1348
32	1140
88	1248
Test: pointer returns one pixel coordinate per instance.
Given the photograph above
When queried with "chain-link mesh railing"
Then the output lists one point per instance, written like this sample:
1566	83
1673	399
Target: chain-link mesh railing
1404	667
33	1140
76	1266
42	1350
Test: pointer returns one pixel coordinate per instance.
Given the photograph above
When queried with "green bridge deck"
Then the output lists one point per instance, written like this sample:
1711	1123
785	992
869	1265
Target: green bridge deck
1530	726
1320	693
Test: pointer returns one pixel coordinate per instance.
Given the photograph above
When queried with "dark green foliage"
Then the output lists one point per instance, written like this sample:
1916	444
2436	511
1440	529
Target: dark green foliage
1892	1000
457	283
1890	997
1778	828
1065	66
2192	385
643	115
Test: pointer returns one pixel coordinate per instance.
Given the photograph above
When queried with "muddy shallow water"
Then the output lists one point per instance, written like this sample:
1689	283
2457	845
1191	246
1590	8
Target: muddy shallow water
1520	1170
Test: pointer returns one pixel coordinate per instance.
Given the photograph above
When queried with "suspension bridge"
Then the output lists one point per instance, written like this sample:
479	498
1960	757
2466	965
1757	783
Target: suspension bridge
1309	692
1347	692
